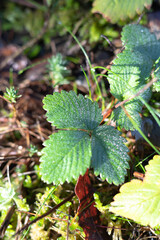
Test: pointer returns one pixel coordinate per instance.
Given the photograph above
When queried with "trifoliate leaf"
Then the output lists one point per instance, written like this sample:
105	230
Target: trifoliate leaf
140	200
109	154
67	110
66	155
120	10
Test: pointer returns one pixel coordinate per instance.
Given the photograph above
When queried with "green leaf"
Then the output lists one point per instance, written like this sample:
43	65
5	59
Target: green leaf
67	110
131	70
156	85
66	155
99	205
123	120
115	10
140	200
109	154
138	38
133	107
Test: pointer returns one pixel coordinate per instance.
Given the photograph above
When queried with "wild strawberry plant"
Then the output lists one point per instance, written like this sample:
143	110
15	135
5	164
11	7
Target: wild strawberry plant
81	142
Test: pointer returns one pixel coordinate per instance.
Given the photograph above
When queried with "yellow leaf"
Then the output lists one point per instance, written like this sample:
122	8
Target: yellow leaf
140	200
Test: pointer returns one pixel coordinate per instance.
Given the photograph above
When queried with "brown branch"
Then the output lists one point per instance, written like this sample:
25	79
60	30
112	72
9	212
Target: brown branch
128	99
148	85
109	42
5	99
106	114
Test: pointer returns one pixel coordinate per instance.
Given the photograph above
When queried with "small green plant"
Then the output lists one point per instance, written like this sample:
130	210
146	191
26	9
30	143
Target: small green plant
86	144
57	70
32	150
9	195
11	94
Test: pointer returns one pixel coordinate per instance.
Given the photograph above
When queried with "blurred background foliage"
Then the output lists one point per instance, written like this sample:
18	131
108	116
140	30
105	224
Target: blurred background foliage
26	18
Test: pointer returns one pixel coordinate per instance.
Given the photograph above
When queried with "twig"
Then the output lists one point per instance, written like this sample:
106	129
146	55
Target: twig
5	99
137	94
130	98
140	17
34	214
106	114
109	42
44	215
6	221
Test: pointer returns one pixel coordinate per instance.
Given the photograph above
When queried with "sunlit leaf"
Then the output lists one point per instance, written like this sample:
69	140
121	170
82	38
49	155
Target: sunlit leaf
67	110
67	155
140	200
109	154
131	70
121	9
